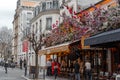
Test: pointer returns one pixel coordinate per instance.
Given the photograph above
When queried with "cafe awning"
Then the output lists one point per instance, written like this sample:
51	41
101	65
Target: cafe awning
55	49
59	49
103	38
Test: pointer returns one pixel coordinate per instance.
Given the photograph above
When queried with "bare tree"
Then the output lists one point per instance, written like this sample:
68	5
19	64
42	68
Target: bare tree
35	42
5	42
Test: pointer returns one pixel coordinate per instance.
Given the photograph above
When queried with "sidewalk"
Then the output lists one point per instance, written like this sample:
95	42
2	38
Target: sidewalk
46	78
40	77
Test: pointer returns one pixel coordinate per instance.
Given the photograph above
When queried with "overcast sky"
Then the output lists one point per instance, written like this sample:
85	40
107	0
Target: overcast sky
7	11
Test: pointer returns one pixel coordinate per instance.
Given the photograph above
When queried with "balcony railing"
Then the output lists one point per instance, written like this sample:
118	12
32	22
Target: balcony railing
54	5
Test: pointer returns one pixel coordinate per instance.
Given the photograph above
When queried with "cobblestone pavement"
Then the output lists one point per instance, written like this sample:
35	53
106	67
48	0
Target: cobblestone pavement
13	74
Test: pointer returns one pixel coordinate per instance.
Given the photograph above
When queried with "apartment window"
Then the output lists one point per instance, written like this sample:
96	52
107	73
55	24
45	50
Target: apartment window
40	28
36	27
44	6
55	4
34	12
29	16
48	23
33	29
37	10
63	1
49	5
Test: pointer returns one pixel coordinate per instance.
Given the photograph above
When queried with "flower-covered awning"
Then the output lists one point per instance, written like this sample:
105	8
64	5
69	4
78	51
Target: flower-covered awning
74	27
108	28
69	30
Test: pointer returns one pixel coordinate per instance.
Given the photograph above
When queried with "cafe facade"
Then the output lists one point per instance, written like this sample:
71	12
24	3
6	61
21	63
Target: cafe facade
110	41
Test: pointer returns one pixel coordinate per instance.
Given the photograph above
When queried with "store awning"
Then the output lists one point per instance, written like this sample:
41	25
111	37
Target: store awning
59	49
103	38
55	49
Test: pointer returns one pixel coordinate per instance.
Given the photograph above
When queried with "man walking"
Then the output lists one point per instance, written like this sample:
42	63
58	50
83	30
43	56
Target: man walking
77	73
6	65
48	67
21	63
88	70
25	66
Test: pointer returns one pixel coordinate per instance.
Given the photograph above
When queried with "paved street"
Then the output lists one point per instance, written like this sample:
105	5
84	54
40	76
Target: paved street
13	74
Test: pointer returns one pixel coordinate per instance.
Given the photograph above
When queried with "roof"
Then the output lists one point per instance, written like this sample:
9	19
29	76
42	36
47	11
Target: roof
91	8
29	4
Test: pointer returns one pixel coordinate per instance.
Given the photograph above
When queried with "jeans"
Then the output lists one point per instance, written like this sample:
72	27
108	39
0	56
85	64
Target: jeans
77	76
88	74
49	71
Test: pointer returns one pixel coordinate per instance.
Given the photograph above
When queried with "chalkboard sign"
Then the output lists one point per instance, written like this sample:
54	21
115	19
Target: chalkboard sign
32	69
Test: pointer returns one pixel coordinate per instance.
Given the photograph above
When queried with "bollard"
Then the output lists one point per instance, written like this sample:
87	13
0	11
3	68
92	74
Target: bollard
44	73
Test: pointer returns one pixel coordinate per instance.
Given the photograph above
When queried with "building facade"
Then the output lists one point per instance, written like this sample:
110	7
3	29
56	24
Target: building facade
21	26
46	15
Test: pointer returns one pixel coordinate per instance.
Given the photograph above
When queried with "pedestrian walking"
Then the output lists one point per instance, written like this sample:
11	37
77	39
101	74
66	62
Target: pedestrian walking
48	68
88	73
21	62
25	67
77	69
5	66
82	69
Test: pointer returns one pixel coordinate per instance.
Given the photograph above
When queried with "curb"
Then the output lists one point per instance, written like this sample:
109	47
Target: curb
25	77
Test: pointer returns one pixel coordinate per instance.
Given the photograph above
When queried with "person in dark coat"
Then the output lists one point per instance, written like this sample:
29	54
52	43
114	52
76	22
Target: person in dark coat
6	65
21	63
77	73
25	66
